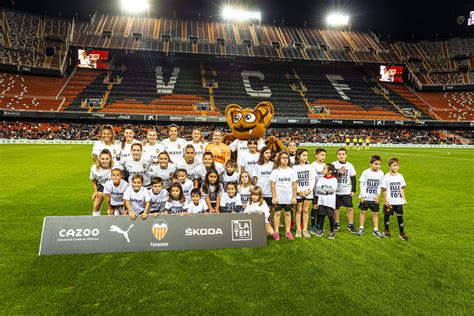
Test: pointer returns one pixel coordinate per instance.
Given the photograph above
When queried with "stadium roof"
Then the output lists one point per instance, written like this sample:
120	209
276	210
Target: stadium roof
403	20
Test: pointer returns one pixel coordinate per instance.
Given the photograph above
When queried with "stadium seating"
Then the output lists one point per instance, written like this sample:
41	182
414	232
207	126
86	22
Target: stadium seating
451	106
408	100
73	92
31	93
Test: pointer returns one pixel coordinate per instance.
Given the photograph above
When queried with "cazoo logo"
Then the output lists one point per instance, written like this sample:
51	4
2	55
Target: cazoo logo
79	232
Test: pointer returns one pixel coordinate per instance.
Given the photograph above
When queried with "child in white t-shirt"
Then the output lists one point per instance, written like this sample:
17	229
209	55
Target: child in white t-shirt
283	179
258	205
393	186
137	198
230	200
176	203
158	196
114	190
326	189
304	191
197	205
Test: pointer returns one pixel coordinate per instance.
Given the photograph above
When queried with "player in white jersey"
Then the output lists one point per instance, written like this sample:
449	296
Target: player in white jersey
114	190
163	169
99	175
186	184
326	189
292	147
137	198
107	141
346	189
304	191
369	196
393	186
190	163
318	166
262	172
283	179
176	203
230	200
152	148
258	205
199	144
249	158
137	164
203	169
241	146
158	196
230	175
126	143
174	145
197	204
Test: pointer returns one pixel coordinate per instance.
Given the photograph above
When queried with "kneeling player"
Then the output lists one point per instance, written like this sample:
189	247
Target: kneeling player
393	185
370	187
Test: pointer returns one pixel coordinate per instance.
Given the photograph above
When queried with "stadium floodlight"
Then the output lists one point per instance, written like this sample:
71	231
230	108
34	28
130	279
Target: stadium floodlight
337	20
239	15
135	6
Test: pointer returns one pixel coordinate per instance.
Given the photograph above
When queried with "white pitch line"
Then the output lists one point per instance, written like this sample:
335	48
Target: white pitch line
431	156
32	148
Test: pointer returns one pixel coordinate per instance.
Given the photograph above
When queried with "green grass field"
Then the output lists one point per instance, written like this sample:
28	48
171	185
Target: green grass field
432	273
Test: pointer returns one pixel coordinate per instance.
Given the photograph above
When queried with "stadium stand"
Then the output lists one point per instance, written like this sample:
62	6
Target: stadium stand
29	93
451	106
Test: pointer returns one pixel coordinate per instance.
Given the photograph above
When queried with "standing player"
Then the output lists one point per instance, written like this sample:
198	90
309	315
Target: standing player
128	139
304	191
114	190
99	175
393	186
201	170
174	145
220	151
199	144
346	189
190	163
137	164
107	141
318	166
152	148
283	179
369	196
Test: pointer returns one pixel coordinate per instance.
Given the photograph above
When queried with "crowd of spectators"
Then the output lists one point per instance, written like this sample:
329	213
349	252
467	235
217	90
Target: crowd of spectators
388	135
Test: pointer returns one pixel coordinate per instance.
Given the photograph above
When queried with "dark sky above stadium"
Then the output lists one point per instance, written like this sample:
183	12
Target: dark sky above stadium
401	19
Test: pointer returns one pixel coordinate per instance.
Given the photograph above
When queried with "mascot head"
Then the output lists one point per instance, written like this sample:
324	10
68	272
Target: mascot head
249	123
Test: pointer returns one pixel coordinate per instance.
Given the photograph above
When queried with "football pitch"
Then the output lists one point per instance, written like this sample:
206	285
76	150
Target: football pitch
432	273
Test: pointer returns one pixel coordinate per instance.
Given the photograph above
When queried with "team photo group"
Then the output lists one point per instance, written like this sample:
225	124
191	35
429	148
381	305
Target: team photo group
151	177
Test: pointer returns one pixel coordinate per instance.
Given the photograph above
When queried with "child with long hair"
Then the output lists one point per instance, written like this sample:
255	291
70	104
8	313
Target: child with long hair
176	203
137	199
244	188
212	191
326	189
304	191
230	200
258	205
203	169
283	179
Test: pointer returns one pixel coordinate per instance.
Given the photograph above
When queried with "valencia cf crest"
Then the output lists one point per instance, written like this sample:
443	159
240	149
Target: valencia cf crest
144	166
202	147
179	146
114	151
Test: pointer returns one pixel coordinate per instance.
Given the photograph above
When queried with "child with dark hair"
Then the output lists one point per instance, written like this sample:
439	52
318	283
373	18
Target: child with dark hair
326	189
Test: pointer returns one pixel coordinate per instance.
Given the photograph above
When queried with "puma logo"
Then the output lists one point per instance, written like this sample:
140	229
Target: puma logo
117	229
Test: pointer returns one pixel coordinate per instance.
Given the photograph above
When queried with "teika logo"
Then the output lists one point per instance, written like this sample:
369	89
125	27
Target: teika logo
159	229
119	230
241	230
